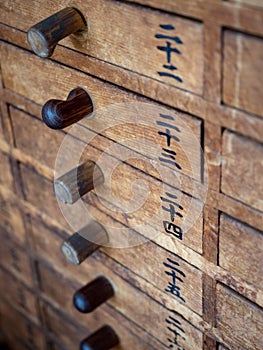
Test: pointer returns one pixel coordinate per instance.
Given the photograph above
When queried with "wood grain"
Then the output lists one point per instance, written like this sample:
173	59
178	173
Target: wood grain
19	296
241	166
136	51
240	250
237	317
25	331
15	260
243	57
150	136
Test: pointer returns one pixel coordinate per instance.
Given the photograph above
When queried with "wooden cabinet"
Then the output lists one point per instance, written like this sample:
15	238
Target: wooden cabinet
177	133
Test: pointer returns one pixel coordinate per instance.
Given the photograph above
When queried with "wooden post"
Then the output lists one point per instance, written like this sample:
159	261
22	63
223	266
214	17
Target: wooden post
103	339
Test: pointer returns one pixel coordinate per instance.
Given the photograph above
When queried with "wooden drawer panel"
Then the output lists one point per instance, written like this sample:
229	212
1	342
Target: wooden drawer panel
11	218
41	137
241	250
40	80
16	260
51	283
39	192
140	50
243	62
16	294
19	328
241	169
240	322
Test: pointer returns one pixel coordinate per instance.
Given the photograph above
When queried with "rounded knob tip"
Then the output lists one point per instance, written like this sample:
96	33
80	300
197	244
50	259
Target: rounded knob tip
103	339
39	44
89	297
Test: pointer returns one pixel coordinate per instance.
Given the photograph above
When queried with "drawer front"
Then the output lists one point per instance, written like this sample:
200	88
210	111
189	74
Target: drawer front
156	40
177	133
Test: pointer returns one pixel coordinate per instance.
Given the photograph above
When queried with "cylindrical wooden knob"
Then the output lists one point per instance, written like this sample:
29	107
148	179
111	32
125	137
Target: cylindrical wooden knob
44	36
95	293
103	339
77	182
59	114
82	244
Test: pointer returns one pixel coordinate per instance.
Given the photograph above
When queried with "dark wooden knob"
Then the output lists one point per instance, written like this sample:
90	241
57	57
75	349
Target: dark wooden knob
59	114
82	244
103	339
77	182
95	293
44	36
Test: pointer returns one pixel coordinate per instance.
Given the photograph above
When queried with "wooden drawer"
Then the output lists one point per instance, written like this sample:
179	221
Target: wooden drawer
236	317
240	250
241	169
41	80
144	50
242	87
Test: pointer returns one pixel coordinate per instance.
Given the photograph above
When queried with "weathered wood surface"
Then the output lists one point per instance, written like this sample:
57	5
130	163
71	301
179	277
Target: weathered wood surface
150	128
240	322
135	50
16	260
241	250
243	62
19	329
242	168
50	278
16	294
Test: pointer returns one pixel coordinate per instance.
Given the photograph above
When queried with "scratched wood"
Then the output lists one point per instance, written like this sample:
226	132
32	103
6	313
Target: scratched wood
137	50
239	320
185	132
51	284
241	166
18	295
243	57
19	328
238	240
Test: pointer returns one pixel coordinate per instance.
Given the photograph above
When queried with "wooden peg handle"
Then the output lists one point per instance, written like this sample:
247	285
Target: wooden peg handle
44	36
77	182
59	114
95	293
103	339
82	244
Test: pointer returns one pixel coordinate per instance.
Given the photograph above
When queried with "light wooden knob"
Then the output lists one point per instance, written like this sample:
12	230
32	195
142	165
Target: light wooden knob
77	182
103	339
95	293
59	114
82	244
44	36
